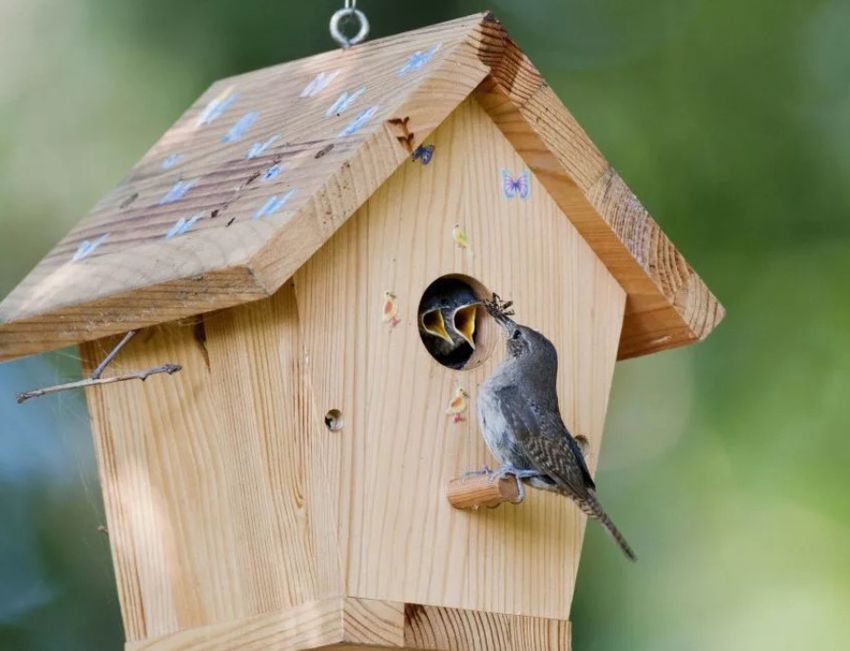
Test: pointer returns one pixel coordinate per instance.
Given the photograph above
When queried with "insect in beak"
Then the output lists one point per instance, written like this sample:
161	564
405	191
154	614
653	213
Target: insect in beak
501	312
432	323
463	320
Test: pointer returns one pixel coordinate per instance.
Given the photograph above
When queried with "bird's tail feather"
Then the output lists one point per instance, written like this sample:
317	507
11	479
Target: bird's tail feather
591	506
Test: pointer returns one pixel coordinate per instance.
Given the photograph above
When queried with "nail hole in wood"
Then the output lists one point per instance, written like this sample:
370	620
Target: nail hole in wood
333	420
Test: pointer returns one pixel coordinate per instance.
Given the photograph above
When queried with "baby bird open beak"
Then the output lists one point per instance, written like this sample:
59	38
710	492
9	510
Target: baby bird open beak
433	323
463	321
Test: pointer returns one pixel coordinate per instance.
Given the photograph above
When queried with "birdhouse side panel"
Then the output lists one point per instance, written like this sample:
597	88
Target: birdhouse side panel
466	204
217	479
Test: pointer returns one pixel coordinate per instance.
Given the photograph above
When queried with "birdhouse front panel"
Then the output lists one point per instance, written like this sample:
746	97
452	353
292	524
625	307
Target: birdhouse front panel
473	209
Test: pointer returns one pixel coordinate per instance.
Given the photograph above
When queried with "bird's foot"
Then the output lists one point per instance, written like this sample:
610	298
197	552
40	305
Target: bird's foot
485	471
518	475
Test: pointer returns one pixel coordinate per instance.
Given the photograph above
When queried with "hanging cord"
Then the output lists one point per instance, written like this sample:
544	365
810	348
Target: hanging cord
349	13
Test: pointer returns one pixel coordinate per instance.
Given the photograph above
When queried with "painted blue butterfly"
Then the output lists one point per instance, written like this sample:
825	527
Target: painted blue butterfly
423	153
516	187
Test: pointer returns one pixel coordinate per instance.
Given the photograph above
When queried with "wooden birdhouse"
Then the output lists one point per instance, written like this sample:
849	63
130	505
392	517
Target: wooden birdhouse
287	488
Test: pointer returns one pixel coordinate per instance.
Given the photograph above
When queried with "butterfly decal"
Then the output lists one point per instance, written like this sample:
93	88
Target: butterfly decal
423	153
516	187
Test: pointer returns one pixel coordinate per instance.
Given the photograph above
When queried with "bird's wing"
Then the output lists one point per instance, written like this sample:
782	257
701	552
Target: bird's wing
545	441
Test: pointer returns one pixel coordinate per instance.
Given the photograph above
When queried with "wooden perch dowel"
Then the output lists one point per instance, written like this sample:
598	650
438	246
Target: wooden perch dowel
475	492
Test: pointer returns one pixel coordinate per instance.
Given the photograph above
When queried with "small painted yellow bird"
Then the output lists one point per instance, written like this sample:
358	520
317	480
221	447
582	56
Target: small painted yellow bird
390	312
459	236
458	405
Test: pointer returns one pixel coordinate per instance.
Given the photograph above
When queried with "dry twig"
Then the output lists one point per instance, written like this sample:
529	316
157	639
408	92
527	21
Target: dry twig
96	378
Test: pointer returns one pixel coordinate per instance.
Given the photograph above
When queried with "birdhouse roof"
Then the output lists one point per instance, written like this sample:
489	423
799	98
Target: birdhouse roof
261	170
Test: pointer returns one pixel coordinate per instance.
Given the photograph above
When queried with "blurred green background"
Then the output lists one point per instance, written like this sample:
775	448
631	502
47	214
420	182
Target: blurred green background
727	464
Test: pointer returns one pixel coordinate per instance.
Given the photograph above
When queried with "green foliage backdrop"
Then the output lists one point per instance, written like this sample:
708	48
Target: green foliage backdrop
726	463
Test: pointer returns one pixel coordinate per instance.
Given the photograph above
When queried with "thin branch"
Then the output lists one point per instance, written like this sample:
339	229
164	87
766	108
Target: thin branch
92	381
102	366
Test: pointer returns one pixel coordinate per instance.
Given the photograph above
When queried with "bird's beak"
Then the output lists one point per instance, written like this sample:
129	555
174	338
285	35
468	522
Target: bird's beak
463	321
432	323
503	320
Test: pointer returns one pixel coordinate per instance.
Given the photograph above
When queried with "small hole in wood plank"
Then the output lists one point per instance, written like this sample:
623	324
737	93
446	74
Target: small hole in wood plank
454	327
334	421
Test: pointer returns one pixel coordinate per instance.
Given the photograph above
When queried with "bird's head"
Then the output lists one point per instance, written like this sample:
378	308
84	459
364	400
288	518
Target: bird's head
523	343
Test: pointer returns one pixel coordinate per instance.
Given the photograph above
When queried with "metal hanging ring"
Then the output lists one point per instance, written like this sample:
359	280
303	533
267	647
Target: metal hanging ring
350	11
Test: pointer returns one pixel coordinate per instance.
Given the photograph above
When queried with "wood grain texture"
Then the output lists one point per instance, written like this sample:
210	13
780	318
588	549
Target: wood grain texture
340	623
404	541
89	287
477	492
219	486
433	627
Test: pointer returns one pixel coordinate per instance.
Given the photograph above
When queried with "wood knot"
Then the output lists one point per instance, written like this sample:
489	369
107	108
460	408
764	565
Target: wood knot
324	150
413	613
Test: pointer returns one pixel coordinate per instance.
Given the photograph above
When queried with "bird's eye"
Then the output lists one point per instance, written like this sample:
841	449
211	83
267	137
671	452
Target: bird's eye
517	334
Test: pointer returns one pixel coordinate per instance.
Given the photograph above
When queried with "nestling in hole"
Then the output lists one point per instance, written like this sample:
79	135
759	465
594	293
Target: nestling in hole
453	324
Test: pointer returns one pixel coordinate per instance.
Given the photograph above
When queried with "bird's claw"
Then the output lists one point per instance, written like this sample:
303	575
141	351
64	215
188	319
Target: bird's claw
485	471
518	475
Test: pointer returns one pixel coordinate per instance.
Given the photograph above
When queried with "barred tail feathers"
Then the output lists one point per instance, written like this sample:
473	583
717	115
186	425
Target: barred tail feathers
591	507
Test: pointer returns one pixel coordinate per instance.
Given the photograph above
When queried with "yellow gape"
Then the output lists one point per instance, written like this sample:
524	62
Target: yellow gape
463	320
432	322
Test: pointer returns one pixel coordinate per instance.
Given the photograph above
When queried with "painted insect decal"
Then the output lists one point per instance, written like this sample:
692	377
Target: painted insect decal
344	101
182	226
423	153
171	161
274	204
319	83
88	247
216	108
259	148
273	172
359	122
177	191
238	130
418	60
516	187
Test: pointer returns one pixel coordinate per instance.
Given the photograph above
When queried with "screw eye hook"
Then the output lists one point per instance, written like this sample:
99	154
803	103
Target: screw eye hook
349	13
